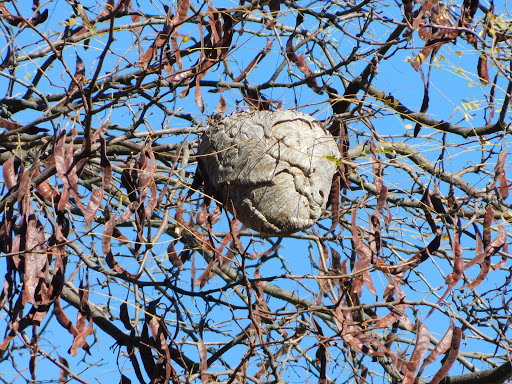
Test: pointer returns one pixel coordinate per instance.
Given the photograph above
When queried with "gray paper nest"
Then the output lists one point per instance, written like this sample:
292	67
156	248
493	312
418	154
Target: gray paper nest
277	168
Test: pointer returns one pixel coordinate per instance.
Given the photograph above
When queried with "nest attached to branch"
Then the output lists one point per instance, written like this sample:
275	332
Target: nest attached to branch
273	170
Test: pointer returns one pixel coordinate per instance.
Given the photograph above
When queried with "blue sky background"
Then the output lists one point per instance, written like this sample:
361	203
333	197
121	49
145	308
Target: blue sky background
456	95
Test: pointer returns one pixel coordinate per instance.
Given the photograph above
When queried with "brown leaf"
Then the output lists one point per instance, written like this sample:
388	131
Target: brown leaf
124	316
408	8
159	333
44	188
274	6
201	348
34	317
15	21
488	220
458	265
260	56
503	260
171	26
427	208
59	155
83	316
483	69
145	351
106	167
321	360
173	256
215	216
437	203
68	171
334	201
10	179
135	17
181	15
63	373
79	78
198	96
441	347
500	172
148	180
107	10
425	253
420	348
93	205
365	257
451	358
106	244
215	22
220	109
66	323
489	251
80	341
62	317
35	260
303	66
9	125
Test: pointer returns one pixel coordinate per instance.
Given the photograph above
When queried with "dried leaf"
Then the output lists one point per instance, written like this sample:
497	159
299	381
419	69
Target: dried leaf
483	69
420	348
34	317
145	351
220	109
64	373
500	172
107	10
106	244
10	179
79	78
451	358
199	97
334	201
124	316
159	333
62	318
83	316
303	66
503	260
458	265
321	361
173	256
80	341
260	56
106	167
425	253
490	250
15	21
45	190
201	348
171	26
35	261
365	257
427	208
93	205
441	347
408	8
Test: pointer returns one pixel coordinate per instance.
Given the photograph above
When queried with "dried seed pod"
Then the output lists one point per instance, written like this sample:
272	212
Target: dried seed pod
274	168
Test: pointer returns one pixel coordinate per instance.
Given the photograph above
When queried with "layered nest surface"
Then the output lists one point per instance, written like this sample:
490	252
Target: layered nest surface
273	170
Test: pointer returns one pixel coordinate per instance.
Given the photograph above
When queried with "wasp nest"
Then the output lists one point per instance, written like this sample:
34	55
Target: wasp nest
274	168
